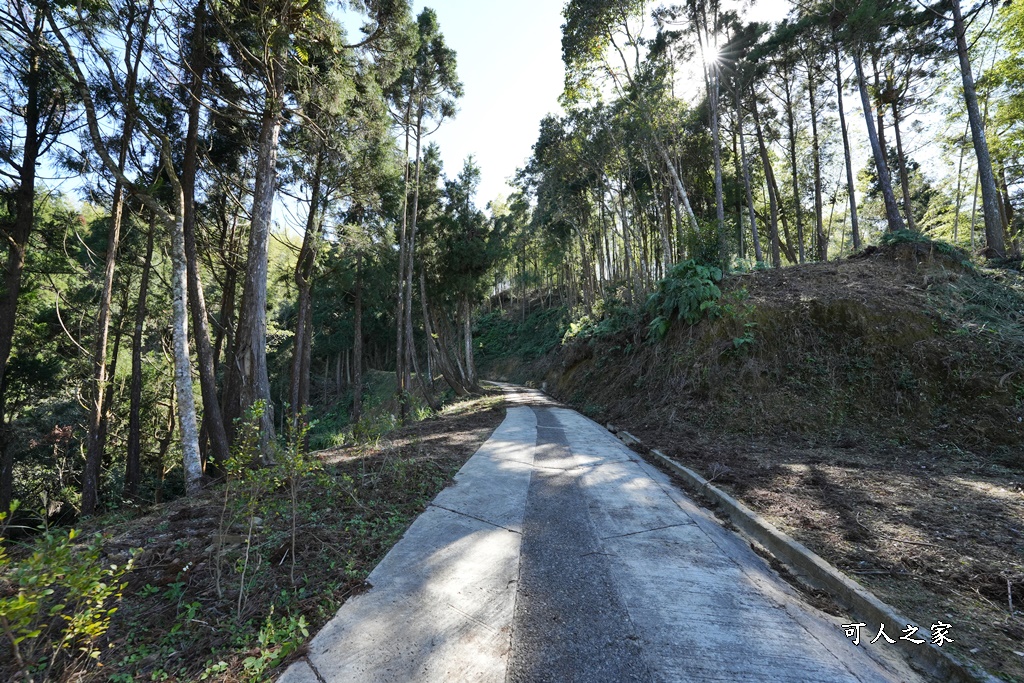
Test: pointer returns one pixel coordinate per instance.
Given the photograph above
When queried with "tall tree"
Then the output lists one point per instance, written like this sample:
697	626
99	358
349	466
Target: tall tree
35	104
133	24
986	176
422	96
173	220
861	27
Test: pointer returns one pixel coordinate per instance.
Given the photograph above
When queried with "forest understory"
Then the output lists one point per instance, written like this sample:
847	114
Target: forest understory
222	588
870	408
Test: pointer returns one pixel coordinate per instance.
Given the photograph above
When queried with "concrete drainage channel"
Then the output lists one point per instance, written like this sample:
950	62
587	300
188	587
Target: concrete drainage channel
809	569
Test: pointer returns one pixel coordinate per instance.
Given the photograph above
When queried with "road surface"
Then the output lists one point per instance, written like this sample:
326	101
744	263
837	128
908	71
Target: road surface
561	555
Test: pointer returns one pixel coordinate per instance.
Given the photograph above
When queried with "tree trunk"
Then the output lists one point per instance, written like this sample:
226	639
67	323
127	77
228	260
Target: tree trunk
410	265
357	343
467	337
436	342
213	418
98	392
133	462
791	123
97	408
723	247
892	212
115	352
773	204
403	257
226	317
989	193
758	256
304	319
191	460
627	245
850	187
18	230
901	160
880	111
248	381
677	185
819	224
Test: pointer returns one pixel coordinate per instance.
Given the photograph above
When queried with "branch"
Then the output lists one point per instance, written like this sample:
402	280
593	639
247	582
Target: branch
94	131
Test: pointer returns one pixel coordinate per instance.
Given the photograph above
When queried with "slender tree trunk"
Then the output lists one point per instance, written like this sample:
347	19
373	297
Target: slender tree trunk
410	265
133	462
791	123
467	336
989	194
758	256
403	258
248	381
723	246
773	203
901	160
164	444
892	212
851	190
95	440
737	171
225	337
357	343
302	349
959	189
677	185
115	353
819	224
213	418
880	110
192	461
627	246
97	407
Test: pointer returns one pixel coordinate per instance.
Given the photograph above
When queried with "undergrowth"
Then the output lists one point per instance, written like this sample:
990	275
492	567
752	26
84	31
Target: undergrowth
224	586
500	335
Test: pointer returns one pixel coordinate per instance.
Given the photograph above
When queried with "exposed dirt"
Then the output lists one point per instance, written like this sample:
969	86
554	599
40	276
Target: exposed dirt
188	613
875	415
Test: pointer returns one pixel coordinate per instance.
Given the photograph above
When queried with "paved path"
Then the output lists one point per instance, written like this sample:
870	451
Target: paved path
560	555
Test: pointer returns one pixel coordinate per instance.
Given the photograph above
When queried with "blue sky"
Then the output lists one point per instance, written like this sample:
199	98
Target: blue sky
510	63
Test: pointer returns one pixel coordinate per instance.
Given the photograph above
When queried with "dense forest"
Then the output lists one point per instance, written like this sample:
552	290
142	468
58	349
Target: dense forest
222	216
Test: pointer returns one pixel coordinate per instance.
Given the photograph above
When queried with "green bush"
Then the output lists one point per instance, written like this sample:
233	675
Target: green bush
690	291
56	602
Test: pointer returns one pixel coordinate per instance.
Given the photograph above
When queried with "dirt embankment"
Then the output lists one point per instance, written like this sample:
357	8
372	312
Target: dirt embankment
873	409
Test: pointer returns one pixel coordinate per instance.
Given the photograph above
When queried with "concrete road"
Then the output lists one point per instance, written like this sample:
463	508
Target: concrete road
560	555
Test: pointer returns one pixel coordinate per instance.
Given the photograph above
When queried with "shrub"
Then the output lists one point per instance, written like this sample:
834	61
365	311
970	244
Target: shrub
690	291
56	602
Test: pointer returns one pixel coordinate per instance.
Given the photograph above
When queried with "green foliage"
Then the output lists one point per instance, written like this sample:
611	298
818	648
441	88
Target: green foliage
746	340
689	292
57	601
611	316
585	38
277	639
505	334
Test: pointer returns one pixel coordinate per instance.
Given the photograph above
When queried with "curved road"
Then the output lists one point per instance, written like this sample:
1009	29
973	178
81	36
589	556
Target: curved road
560	555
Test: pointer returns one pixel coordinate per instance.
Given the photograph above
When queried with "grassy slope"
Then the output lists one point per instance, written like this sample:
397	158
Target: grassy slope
875	412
